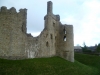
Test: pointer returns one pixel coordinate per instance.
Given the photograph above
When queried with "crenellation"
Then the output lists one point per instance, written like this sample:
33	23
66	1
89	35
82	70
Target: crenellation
52	15
23	10
12	10
22	17
56	39
57	17
23	13
3	9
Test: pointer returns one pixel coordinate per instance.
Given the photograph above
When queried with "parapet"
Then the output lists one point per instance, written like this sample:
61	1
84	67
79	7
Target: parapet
23	10
3	9
68	25
12	10
23	13
57	17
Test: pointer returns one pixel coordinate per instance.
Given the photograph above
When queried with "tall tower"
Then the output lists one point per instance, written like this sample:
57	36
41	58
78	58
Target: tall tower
49	7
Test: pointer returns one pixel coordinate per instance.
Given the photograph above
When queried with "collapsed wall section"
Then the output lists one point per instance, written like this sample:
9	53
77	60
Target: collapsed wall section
40	46
33	46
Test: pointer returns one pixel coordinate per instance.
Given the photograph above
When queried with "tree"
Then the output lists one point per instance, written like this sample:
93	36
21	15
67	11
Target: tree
98	48
84	48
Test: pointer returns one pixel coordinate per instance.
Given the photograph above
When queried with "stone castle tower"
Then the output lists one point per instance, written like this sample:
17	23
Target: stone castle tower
56	39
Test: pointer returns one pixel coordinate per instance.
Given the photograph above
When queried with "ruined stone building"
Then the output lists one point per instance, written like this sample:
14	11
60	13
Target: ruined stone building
56	39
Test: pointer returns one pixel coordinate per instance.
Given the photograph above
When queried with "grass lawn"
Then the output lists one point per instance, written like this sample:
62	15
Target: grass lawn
83	65
89	60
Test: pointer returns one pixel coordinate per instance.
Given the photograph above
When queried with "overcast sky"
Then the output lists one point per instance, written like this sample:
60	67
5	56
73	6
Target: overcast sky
84	15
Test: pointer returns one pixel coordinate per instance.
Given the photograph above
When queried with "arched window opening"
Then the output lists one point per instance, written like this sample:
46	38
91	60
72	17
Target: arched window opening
47	44
64	39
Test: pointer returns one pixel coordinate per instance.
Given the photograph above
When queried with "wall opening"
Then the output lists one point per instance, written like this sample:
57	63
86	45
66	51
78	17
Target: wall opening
51	36
64	30
64	39
47	44
53	24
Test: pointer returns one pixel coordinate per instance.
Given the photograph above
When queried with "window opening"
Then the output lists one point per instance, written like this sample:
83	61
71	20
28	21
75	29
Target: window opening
51	36
64	39
64	30
53	24
47	44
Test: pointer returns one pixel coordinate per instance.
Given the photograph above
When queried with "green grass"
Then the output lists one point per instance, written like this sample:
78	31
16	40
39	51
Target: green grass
89	60
83	65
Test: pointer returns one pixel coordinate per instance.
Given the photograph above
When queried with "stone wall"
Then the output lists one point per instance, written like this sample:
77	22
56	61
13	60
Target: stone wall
56	39
65	42
12	33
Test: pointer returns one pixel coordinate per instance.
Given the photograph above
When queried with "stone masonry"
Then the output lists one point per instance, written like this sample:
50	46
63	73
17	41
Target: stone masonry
56	39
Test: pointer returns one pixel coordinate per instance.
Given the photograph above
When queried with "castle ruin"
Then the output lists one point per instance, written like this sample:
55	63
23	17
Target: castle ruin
56	39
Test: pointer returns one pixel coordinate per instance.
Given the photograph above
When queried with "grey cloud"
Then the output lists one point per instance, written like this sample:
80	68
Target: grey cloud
35	13
65	8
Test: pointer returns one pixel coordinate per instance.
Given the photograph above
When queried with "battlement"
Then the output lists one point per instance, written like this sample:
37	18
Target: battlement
17	17
56	17
12	10
3	9
23	10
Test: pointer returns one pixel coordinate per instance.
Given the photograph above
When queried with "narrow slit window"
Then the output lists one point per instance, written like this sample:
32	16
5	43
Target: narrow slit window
64	39
47	44
64	30
53	24
51	36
